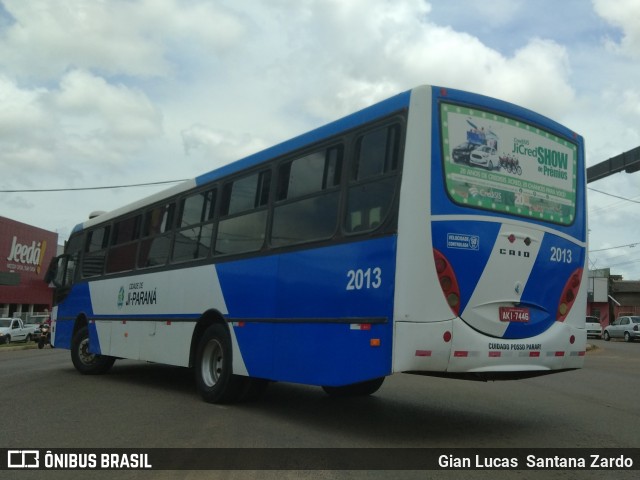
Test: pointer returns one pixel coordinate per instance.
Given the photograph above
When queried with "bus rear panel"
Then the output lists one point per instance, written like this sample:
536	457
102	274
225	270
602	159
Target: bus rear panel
491	258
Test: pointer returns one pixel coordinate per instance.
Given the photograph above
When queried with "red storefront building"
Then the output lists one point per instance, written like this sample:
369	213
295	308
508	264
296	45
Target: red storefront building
25	254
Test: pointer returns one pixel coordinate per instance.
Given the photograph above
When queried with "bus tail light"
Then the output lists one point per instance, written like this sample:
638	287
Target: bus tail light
448	282
569	294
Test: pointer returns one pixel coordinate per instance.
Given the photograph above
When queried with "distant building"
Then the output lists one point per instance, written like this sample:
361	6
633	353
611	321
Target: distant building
25	254
609	296
626	294
598	300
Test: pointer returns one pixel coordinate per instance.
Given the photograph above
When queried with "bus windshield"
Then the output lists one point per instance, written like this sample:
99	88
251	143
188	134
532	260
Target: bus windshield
504	165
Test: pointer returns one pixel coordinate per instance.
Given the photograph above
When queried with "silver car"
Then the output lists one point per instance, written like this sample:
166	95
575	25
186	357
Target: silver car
623	327
594	329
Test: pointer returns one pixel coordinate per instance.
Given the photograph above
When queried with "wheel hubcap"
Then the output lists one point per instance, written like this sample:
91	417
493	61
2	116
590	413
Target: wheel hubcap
212	363
84	354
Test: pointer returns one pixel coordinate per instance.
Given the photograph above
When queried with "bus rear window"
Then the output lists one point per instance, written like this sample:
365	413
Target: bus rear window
504	165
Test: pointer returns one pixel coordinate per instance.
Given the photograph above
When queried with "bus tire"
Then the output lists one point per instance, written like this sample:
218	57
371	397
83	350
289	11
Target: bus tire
85	362
360	389
215	380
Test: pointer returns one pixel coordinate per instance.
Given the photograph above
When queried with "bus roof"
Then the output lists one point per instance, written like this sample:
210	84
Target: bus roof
381	109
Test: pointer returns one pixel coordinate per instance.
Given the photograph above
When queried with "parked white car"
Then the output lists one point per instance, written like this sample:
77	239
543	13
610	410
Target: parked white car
13	330
623	327
594	329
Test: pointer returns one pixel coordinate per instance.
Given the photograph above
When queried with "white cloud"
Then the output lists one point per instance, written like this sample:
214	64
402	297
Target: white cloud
322	58
219	146
624	14
630	104
115	37
80	122
20	110
47	37
114	111
25	129
351	54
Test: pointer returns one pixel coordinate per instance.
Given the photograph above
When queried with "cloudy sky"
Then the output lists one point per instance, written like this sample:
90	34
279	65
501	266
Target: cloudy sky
115	92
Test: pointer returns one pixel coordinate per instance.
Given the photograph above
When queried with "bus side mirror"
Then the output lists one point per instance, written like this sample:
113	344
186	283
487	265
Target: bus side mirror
57	271
52	271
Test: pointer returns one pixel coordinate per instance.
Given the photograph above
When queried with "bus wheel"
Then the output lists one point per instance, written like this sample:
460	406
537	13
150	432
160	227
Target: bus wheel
355	389
85	362
214	378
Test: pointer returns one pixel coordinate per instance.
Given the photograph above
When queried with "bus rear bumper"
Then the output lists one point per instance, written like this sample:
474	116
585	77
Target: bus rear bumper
453	349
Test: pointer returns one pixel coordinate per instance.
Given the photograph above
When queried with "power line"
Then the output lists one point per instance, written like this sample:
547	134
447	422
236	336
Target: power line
41	190
107	187
614	196
625	202
613	248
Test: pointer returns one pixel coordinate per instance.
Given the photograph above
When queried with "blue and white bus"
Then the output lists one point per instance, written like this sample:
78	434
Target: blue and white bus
438	232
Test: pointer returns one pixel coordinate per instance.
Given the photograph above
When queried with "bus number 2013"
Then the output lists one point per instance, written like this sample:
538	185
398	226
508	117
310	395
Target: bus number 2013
364	279
561	255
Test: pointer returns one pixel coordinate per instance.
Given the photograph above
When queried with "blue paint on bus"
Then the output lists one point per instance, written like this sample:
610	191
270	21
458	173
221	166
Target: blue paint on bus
468	264
312	283
300	312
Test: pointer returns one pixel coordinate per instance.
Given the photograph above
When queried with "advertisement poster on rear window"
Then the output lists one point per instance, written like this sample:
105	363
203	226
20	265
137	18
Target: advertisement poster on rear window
504	165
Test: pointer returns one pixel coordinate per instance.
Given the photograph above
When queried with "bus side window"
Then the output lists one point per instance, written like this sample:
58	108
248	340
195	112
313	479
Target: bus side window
124	245
193	239
308	198
243	213
156	236
95	251
373	179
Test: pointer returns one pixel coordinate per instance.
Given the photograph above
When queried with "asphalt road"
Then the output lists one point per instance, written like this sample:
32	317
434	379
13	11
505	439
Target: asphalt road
47	404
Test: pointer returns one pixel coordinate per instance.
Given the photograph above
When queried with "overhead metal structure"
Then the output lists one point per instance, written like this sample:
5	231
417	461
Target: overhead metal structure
627	161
